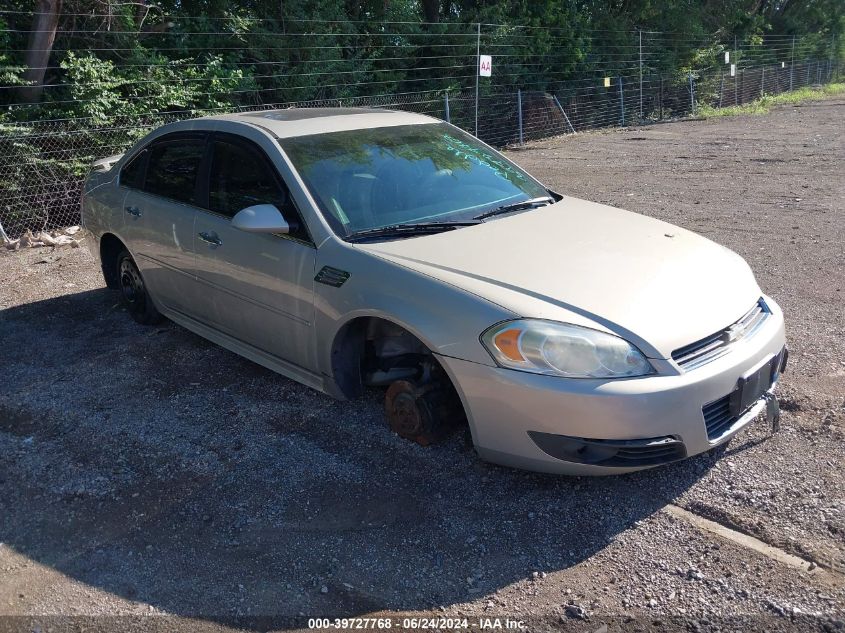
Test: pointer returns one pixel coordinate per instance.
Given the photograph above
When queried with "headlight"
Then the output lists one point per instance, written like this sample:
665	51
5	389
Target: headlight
560	349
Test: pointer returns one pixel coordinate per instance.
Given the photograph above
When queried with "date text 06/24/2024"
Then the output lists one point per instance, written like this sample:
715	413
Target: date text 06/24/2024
416	623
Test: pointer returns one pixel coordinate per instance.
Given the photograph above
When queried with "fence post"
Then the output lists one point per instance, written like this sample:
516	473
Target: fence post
446	98
692	93
736	86
721	87
660	107
736	73
792	63
564	114
519	107
762	80
641	75
477	70
621	102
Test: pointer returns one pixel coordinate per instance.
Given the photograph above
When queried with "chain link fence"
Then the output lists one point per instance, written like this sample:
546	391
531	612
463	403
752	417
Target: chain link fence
44	161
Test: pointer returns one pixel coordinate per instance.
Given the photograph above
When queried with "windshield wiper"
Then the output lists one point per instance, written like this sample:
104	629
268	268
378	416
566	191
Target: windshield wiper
407	230
516	206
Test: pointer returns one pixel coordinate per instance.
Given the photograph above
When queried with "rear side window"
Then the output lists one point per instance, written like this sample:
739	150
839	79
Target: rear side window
172	169
133	173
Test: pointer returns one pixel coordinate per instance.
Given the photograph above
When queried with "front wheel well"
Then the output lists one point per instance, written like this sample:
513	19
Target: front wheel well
110	248
373	352
421	402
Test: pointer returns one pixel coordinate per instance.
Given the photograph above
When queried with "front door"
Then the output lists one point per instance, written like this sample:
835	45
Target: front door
255	287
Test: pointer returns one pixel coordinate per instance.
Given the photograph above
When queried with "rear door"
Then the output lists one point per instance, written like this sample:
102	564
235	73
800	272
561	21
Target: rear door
159	211
258	288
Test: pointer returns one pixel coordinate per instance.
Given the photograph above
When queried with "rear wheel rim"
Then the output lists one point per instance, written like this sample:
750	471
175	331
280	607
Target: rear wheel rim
132	286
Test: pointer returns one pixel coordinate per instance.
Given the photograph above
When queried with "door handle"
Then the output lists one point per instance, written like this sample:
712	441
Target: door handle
134	211
210	238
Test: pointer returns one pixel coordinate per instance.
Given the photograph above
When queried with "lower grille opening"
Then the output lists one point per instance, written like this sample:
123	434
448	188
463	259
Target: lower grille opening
619	453
718	417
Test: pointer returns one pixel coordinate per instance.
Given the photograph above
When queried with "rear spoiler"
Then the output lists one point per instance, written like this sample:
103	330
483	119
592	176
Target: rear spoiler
104	164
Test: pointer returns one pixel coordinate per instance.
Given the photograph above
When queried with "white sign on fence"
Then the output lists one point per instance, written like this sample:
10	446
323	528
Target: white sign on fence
485	65
733	70
727	57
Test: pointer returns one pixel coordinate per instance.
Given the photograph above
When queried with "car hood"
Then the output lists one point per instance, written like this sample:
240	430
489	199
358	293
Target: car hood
658	285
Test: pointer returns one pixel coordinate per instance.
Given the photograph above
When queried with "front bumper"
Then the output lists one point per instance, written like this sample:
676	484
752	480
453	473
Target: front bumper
506	408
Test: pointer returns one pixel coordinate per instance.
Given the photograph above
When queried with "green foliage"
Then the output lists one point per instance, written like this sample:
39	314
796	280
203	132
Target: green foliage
767	102
196	56
100	91
118	70
10	73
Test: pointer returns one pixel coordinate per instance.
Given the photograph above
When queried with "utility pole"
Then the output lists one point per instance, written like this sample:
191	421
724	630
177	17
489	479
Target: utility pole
477	71
641	75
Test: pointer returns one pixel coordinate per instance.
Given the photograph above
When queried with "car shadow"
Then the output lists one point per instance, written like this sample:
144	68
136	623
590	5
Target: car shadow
164	470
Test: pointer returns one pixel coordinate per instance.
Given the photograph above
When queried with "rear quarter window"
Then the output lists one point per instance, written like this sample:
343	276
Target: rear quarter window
132	174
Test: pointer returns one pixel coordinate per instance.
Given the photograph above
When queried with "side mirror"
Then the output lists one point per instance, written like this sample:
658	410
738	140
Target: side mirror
261	218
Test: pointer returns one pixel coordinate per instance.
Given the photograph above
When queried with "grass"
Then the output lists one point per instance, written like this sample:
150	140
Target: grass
767	102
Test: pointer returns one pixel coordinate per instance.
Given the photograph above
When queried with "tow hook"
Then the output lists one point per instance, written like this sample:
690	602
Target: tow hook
772	412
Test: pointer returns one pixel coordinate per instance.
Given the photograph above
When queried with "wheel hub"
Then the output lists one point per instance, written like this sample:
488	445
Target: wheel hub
130	283
404	413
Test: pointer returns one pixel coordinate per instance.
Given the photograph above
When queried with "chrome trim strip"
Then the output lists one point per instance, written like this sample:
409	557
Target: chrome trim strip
720	343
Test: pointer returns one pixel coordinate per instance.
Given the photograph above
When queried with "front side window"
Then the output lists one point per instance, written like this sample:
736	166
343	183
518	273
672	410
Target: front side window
371	178
173	167
241	178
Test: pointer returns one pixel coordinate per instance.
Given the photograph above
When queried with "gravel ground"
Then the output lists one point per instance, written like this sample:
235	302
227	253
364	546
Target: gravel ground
146	471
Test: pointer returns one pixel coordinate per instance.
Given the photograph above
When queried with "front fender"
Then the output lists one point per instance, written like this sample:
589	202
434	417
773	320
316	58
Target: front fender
447	319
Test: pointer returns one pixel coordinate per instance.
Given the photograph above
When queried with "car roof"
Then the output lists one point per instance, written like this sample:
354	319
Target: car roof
292	122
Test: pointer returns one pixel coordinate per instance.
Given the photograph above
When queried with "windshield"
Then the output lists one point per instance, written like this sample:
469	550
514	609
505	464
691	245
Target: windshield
372	178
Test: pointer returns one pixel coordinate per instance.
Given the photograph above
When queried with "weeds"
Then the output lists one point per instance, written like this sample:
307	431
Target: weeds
767	102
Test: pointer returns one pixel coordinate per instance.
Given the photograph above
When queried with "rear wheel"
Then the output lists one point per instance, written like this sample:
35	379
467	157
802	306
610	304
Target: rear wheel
133	292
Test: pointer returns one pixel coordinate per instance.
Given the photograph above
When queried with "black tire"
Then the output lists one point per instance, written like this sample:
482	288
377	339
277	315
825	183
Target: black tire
133	293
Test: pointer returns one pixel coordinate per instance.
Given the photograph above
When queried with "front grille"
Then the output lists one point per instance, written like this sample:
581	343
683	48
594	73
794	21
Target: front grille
718	418
718	344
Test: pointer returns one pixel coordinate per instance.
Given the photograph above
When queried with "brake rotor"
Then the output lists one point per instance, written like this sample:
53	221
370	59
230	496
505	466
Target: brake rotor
407	415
